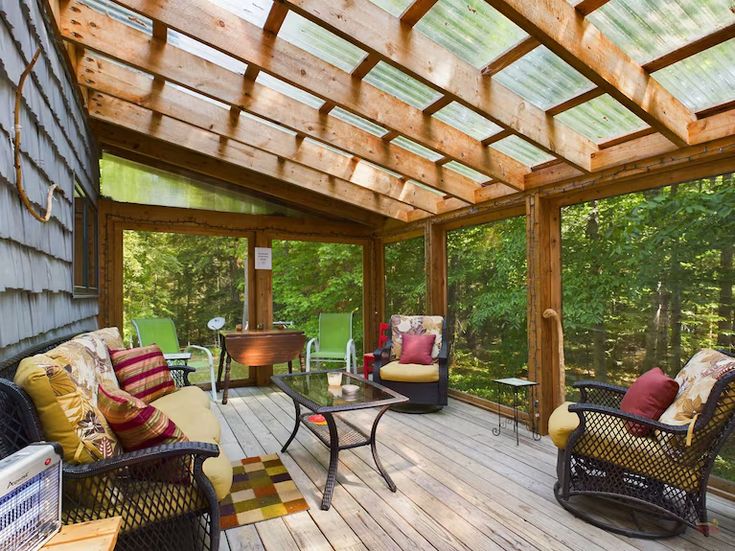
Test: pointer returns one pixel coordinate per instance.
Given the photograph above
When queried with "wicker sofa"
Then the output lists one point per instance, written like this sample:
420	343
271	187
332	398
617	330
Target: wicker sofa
167	496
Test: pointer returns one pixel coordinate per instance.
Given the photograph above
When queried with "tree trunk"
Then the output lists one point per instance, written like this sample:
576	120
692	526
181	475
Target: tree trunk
662	338
649	359
675	282
599	333
726	324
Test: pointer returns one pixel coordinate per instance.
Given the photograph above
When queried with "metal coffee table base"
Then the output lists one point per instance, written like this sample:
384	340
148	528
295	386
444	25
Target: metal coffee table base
339	435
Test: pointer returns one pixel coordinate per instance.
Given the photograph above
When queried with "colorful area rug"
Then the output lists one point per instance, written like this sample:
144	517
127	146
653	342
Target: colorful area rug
261	489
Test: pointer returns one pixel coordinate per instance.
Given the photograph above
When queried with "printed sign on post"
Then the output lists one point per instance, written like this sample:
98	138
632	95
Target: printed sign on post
263	258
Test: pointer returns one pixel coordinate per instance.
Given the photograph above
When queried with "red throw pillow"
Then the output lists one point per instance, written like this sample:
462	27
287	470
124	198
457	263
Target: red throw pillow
417	349
649	396
143	372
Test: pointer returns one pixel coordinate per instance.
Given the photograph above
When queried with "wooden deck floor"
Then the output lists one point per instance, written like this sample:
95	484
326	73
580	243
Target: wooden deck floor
459	487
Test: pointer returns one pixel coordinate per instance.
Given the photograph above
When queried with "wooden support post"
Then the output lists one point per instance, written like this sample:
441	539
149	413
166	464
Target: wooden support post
263	281
373	292
543	233
435	258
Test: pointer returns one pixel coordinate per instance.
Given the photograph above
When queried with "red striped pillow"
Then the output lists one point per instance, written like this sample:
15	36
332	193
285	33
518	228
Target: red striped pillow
136	424
143	372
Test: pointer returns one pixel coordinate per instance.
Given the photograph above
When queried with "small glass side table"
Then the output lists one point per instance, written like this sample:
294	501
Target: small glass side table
516	384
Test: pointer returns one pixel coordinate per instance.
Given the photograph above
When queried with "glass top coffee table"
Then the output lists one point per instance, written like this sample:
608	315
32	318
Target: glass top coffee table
312	391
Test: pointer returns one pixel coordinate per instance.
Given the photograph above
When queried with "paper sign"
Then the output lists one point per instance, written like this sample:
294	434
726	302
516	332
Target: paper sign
263	258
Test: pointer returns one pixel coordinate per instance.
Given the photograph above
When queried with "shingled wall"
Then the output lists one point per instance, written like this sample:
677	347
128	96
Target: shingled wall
36	278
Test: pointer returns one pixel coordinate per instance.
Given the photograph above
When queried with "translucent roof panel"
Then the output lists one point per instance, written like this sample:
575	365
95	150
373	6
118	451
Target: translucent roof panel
427	188
419	149
286	89
703	80
522	151
467	121
467	171
202	50
647	29
320	42
358	121
394	7
255	11
601	118
399	84
121	14
246	115
470	29
543	78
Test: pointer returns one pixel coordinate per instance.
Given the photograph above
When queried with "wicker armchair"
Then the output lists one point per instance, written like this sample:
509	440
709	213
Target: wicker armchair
663	475
161	493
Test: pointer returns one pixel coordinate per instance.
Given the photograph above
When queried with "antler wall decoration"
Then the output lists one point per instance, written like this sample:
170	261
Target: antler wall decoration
16	150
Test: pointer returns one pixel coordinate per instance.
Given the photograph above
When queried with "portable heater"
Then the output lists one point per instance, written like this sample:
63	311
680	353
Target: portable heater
30	497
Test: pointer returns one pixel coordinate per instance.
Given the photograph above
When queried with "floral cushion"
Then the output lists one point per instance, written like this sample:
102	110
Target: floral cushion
66	413
87	359
415	325
696	380
110	336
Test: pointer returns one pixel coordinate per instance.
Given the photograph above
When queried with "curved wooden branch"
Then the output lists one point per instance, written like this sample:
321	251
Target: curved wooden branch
16	150
551	313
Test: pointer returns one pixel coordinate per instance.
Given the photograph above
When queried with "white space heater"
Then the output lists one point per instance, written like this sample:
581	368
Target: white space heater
30	497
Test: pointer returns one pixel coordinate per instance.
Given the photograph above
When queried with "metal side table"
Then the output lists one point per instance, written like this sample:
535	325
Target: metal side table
517	384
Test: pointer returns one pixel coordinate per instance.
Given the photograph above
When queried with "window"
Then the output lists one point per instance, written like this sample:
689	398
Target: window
405	280
85	244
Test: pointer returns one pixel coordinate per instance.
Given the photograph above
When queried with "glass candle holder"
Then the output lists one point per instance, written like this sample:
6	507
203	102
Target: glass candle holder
334	378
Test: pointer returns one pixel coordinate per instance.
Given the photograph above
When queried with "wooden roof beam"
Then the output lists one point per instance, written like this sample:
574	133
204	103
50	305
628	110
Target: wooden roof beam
430	63
208	78
510	56
571	103
130	116
416	11
365	66
563	30
276	17
694	47
221	29
160	31
125	84
586	7
438	105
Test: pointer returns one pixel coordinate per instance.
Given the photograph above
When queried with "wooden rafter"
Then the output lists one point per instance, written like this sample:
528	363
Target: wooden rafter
579	99
694	47
185	69
511	55
432	64
416	11
130	116
276	17
438	105
586	7
563	30
365	66
225	31
134	87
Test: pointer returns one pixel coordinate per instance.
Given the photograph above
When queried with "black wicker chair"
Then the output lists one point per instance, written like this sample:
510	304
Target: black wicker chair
661	478
161	493
424	396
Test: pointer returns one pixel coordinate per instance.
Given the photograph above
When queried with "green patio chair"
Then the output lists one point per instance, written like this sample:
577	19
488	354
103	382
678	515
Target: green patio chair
162	331
334	343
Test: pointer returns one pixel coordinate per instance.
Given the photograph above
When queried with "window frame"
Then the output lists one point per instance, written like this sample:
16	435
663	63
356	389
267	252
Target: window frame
88	288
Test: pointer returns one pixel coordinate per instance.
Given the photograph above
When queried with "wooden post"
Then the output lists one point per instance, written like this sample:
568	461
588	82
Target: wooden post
543	233
263	280
435	258
373	292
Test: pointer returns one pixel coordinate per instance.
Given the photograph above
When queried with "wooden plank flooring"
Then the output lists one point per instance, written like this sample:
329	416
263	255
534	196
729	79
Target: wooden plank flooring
459	487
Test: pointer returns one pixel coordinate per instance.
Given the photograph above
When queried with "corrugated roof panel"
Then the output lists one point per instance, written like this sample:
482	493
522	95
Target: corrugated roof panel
394	7
320	42
121	14
467	121
522	151
419	149
358	121
466	171
255	11
470	29
291	91
399	84
703	80
543	78
647	29
202	50
601	118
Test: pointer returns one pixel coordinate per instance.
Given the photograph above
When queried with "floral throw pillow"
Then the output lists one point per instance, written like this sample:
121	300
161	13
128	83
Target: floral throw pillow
415	325
696	380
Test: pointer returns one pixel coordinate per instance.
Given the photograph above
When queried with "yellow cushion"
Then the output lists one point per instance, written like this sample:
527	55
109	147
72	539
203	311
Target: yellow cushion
199	424
561	425
410	373
192	396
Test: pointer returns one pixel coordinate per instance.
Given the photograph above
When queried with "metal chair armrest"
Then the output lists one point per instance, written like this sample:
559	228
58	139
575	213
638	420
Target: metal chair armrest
210	363
182	374
312	343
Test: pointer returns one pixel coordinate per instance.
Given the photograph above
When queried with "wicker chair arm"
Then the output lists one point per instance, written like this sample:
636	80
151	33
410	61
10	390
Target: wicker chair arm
583	408
197	449
181	373
443	356
600	385
597	392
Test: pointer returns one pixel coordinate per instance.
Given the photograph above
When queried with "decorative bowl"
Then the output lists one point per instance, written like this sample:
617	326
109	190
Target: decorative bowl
350	389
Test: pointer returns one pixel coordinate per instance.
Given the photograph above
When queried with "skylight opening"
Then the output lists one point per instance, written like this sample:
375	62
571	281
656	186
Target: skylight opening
601	119
402	86
254	11
464	170
200	49
393	7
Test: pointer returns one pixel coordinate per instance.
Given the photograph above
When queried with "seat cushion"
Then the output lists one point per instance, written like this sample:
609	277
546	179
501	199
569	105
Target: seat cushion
199	424
562	423
409	373
143	372
193	396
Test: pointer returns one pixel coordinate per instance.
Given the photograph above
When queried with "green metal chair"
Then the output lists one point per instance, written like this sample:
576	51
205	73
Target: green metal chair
335	343
162	331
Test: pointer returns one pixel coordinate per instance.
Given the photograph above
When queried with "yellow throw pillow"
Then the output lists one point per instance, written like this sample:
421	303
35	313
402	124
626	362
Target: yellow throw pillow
66	413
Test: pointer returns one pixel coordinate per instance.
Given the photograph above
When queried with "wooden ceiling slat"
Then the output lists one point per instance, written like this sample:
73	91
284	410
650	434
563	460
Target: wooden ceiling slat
185	69
276	17
586	7
579	99
510	56
365	66
562	29
99	75
416	11
225	31
427	61
694	47
130	116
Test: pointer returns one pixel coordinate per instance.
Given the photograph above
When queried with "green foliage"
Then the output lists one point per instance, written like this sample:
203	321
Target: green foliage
405	283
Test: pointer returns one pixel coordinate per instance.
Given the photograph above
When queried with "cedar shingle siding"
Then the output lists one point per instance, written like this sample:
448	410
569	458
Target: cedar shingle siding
36	302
